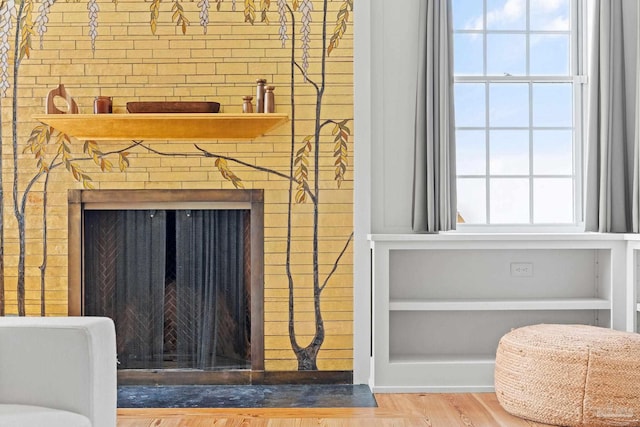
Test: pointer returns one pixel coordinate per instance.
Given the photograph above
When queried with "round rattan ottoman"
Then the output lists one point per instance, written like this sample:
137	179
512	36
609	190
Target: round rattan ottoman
570	375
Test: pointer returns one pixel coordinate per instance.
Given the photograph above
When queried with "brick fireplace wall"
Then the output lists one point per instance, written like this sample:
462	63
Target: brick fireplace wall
130	63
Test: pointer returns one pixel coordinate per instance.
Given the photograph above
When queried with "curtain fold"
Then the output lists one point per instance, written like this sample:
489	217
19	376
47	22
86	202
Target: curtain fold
636	157
434	175
211	300
124	265
139	292
612	171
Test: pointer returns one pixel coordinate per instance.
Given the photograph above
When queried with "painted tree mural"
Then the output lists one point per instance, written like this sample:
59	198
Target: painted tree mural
52	149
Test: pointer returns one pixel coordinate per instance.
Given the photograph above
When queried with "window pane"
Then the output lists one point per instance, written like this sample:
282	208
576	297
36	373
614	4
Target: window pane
506	54
509	152
467	15
506	14
515	135
553	200
468	54
553	152
509	201
508	105
472	201
550	15
470	104
471	152
552	105
550	55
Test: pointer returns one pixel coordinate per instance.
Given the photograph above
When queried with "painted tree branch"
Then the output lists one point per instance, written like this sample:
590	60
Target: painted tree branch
291	283
16	211
333	122
243	163
311	82
291	178
43	265
5	23
335	264
5	26
308	362
204	152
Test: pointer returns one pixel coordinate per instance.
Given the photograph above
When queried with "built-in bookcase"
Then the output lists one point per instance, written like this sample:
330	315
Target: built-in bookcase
442	302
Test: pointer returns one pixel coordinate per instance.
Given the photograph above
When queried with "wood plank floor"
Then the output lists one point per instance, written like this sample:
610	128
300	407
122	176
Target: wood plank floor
394	410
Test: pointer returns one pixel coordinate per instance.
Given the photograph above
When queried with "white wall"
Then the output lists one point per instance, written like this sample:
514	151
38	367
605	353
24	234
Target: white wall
394	74
385	69
362	192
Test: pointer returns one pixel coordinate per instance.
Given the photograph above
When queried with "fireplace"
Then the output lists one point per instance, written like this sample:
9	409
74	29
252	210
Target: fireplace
181	274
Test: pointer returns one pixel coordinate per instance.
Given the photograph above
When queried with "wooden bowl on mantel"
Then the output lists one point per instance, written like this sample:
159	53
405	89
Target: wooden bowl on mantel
173	107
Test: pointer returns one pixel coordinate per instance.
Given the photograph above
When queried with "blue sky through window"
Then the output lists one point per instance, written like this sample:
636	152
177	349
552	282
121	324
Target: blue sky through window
514	111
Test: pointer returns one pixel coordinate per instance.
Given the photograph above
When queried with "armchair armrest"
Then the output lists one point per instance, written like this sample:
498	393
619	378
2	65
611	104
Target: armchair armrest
66	363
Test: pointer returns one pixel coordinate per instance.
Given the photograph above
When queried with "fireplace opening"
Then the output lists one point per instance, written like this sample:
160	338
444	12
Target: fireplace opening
174	281
182	279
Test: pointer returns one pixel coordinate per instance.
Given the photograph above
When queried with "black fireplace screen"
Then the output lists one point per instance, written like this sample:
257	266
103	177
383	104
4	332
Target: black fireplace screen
176	284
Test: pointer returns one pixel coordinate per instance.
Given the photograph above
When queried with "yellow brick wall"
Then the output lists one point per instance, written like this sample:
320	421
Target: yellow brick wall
131	64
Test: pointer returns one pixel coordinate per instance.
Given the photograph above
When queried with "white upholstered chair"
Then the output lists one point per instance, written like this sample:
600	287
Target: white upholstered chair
57	372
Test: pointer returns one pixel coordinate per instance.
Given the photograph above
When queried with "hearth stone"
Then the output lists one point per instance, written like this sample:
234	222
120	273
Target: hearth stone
246	396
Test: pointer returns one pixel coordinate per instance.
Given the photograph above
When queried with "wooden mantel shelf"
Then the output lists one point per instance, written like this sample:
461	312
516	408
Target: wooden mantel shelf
151	126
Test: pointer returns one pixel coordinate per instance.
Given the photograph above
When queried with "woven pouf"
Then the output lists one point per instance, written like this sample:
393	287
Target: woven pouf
570	375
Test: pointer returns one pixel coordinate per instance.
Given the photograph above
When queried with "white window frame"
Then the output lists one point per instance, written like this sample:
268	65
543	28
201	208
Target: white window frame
578	78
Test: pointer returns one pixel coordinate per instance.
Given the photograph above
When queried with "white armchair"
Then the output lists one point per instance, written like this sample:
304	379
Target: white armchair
57	372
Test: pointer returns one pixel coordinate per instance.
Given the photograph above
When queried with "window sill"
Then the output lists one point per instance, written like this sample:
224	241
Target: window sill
454	236
520	229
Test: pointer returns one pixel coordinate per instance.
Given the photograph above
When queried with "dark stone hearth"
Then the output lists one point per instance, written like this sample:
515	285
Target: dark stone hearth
246	396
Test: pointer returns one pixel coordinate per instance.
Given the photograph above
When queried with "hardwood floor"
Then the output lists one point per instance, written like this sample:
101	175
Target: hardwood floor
394	410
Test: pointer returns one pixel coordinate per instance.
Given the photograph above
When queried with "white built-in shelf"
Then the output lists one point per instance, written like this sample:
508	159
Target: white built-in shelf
501	304
638	307
441	302
443	358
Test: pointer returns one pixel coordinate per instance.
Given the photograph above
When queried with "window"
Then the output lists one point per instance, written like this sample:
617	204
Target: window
518	93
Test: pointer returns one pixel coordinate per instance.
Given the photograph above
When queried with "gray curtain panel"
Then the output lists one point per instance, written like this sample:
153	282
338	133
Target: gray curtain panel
212	301
434	175
124	264
611	180
636	157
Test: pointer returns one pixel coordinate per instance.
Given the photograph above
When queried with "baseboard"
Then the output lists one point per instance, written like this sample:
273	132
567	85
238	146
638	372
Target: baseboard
432	389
